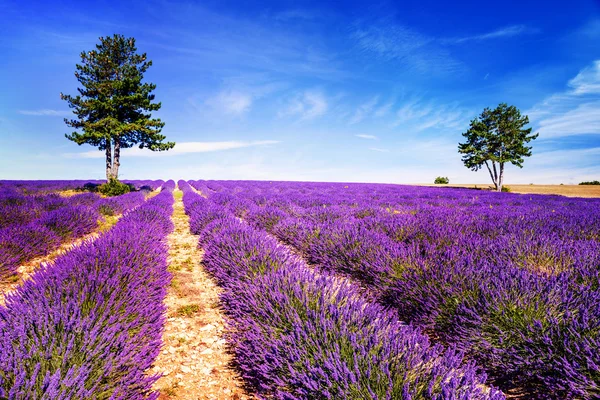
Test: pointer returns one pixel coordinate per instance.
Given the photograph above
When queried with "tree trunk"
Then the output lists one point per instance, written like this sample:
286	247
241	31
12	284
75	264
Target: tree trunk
501	177
491	174
116	159
108	160
495	175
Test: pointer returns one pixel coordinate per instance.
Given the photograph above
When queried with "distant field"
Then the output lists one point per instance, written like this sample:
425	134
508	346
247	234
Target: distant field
563	190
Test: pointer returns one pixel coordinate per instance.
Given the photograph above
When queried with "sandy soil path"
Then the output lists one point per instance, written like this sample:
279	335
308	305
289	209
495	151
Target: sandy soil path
194	360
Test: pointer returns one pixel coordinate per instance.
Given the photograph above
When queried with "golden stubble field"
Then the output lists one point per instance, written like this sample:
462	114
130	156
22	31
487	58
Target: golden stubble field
563	190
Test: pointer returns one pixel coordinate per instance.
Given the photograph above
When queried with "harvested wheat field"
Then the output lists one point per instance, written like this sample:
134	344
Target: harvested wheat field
562	190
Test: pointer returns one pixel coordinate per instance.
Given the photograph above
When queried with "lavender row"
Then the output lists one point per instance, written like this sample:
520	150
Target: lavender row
522	299
19	209
486	211
297	334
89	325
41	186
37	225
531	331
50	186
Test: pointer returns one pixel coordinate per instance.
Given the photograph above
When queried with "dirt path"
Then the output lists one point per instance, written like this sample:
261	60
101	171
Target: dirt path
194	361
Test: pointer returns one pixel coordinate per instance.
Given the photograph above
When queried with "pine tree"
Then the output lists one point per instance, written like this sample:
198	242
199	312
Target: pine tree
113	105
495	138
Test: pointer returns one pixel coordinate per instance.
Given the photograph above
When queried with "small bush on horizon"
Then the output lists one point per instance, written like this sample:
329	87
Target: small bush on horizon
441	180
88	187
114	187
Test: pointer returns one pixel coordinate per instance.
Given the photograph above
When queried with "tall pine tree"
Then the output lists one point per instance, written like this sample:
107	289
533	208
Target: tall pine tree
113	105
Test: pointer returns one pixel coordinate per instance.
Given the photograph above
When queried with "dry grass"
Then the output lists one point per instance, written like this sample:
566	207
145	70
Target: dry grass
563	190
108	222
194	360
188	310
69	193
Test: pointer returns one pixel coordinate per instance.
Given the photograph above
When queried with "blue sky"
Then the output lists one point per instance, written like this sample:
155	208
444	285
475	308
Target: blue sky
353	91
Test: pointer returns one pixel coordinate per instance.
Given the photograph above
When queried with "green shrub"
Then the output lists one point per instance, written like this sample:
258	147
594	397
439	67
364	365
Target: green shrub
441	180
188	310
106	210
506	189
114	188
590	183
88	187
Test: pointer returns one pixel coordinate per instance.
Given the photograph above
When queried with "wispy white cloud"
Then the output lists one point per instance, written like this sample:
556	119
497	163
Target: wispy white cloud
179	149
294	14
364	110
445	117
378	149
307	105
558	166
237	95
230	102
561	156
419	52
383	110
583	119
45	113
506	32
363	136
587	80
228	42
572	112
415	51
412	110
420	115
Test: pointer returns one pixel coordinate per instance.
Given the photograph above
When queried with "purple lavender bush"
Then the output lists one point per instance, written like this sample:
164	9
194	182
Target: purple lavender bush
20	244
300	335
35	225
510	280
89	325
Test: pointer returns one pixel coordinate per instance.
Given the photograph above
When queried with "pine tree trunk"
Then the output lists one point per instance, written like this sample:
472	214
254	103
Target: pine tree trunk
501	177
108	160
496	181
492	174
116	159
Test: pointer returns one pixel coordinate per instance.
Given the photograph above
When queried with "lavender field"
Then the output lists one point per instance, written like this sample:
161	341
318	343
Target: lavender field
327	290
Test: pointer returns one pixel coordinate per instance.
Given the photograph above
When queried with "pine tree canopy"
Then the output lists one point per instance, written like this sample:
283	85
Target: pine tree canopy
113	105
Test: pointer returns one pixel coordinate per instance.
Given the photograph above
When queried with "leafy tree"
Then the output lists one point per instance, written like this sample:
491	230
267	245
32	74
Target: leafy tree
495	138
113	105
441	180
